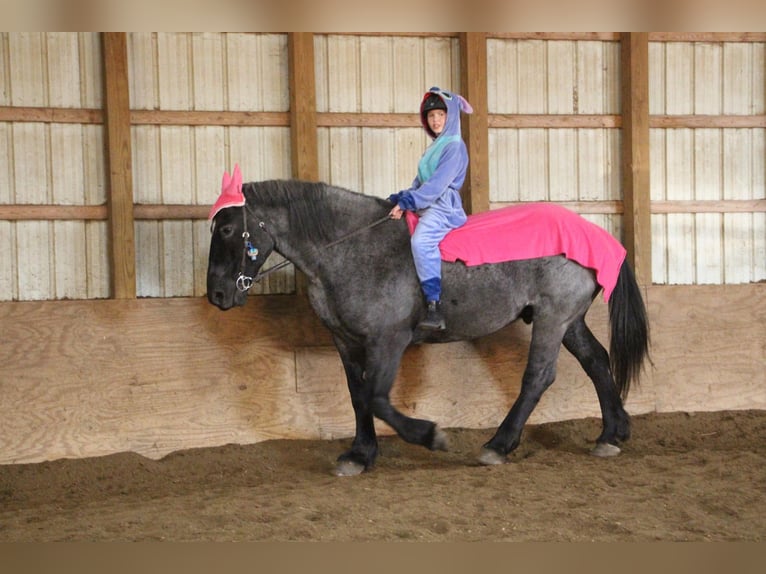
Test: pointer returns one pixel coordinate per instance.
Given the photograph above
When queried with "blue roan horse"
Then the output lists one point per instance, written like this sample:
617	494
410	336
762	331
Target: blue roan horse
362	284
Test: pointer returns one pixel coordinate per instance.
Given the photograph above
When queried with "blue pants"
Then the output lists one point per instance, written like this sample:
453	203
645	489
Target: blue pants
433	225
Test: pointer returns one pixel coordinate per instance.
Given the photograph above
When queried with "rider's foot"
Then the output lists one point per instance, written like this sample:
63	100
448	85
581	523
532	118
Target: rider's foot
434	320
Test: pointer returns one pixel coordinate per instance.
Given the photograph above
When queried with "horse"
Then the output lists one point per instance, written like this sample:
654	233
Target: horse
362	285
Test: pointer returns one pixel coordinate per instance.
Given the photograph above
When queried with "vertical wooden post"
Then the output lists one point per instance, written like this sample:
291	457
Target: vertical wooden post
635	153
303	116
473	73
122	250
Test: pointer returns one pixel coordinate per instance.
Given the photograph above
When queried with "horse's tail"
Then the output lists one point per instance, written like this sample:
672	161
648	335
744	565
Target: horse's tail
629	331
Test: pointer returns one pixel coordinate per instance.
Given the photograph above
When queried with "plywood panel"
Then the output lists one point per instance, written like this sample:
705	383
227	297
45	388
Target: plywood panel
708	347
157	375
562	74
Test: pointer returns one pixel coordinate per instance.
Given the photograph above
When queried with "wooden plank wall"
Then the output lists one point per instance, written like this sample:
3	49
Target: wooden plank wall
90	378
83	376
552	130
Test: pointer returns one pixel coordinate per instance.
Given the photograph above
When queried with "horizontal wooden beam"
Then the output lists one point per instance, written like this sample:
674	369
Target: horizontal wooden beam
710	206
51	115
583	36
707	37
20	212
612	207
554	121
186	212
163	212
369	120
209	118
708	121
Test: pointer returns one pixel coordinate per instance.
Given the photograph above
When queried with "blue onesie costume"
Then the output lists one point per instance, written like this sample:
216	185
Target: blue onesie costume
435	192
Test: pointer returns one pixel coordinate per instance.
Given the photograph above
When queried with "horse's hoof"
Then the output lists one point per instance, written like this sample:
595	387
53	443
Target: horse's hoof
604	450
489	457
348	468
440	441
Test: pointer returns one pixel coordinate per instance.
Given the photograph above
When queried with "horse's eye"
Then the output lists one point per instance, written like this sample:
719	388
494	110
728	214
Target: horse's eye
227	230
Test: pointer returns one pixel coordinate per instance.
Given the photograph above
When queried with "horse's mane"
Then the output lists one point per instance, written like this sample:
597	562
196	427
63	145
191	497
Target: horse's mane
314	209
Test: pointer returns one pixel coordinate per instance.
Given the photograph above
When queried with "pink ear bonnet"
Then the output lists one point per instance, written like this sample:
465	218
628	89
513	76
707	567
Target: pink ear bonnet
231	192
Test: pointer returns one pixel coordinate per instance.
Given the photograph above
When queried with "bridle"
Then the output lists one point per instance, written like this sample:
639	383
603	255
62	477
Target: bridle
249	251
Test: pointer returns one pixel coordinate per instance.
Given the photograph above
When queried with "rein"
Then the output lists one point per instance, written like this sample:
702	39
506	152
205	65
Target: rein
245	282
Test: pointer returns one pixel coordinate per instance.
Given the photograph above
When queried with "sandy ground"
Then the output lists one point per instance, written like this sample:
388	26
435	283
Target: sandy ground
683	476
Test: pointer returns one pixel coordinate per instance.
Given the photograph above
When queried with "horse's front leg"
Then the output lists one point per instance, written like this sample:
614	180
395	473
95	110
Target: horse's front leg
383	359
364	449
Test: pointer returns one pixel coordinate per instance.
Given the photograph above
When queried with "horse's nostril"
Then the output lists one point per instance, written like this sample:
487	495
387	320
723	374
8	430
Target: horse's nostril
215	296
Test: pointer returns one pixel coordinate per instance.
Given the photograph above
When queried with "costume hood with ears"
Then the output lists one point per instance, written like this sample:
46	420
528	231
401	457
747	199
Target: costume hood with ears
453	103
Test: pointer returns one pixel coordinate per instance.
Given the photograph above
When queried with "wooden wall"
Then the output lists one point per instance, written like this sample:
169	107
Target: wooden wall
554	112
105	185
90	378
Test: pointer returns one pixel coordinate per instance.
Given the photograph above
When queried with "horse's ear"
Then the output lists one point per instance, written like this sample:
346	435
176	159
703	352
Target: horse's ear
237	176
226	181
464	105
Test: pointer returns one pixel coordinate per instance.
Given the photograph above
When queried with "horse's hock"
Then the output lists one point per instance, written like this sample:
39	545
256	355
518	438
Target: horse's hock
89	378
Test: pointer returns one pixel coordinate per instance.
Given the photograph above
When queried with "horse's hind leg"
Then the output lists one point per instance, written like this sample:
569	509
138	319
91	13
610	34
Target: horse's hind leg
594	359
539	374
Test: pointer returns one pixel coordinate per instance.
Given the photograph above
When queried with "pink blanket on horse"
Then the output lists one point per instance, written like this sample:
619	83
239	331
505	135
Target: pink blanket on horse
534	230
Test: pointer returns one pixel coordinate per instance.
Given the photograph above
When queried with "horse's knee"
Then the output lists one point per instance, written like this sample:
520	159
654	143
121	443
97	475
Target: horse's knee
381	407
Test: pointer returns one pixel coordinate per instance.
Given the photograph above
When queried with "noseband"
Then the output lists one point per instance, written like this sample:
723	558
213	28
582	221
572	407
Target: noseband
245	282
